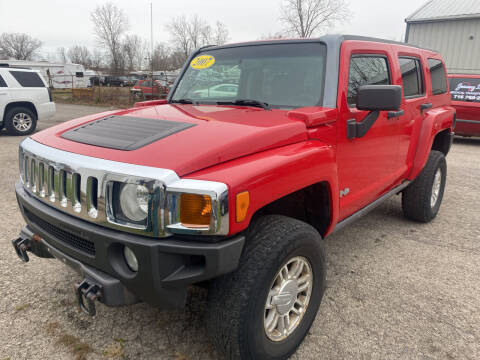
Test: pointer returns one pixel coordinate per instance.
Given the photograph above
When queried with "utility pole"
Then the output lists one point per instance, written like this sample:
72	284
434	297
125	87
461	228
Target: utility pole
151	38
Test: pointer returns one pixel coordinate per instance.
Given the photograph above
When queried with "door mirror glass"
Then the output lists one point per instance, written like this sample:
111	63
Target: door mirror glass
379	97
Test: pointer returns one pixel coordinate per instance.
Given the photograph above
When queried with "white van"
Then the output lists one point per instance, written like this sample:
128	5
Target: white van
24	99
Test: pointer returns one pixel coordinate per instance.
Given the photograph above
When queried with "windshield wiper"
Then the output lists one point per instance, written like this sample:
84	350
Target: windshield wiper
248	102
185	101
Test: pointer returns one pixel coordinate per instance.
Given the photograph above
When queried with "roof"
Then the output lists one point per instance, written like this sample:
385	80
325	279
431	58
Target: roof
446	10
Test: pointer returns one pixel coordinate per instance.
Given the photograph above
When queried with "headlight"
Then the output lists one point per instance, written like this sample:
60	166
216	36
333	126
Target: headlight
134	202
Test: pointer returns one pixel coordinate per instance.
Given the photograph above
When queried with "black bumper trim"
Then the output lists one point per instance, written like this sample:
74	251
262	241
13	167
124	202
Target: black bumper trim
166	266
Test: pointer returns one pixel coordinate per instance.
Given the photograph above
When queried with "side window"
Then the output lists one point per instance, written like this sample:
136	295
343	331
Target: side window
2	82
366	70
411	77
439	79
27	79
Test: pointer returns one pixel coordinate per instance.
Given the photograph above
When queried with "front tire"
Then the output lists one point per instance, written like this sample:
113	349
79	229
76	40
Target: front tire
265	308
20	121
421	200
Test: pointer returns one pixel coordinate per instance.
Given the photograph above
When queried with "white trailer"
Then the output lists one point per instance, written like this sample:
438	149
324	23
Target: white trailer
58	75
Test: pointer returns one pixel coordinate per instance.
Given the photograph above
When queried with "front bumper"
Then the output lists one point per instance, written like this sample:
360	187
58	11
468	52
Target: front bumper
166	266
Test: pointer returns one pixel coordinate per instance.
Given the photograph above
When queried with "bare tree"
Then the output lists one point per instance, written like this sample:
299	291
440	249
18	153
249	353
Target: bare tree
179	32
303	18
110	24
272	36
220	34
80	55
187	35
97	59
62	55
133	49
18	46
161	58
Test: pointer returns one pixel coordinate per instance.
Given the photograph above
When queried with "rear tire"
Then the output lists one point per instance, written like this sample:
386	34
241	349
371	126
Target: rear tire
243	305
421	200
20	121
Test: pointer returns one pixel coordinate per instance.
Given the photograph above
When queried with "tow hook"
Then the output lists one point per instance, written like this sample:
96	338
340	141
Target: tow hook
21	246
87	293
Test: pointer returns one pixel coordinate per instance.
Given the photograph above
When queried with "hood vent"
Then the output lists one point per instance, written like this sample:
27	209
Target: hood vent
124	132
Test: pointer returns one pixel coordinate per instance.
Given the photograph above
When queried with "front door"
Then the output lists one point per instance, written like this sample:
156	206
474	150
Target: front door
365	164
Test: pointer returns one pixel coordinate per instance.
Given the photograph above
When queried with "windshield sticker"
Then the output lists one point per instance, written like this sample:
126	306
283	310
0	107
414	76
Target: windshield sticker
202	62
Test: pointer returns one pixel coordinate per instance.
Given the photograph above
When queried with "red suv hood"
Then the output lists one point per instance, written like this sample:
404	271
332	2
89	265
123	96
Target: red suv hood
221	133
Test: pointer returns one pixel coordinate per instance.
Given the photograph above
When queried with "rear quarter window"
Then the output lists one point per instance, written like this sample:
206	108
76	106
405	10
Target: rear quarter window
28	79
465	89
2	82
411	76
438	77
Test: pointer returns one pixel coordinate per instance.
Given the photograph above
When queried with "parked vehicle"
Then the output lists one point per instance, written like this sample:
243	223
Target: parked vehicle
220	90
148	89
237	194
24	99
57	75
116	81
465	91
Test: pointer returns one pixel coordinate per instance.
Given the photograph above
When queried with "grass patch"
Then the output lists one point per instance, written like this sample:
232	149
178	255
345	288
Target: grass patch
115	350
22	307
79	349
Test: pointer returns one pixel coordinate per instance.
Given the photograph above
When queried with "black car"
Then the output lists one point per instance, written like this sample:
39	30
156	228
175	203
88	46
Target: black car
116	81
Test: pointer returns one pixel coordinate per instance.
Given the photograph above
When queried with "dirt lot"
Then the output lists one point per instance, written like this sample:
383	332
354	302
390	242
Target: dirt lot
396	289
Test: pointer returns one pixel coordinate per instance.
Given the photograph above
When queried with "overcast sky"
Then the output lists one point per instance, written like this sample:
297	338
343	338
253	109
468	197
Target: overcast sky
67	22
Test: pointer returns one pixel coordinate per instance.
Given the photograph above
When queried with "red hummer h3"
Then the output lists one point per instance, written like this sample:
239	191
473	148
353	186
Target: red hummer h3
235	190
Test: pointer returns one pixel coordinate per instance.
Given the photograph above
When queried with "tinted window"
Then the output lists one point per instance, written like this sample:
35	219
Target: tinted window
439	80
465	89
79	74
2	82
366	70
411	76
28	79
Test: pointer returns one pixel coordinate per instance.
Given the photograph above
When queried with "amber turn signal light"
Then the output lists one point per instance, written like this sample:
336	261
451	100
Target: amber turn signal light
195	210
241	205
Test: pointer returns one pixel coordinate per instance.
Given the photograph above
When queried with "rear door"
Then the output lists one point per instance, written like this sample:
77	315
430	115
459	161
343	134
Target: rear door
412	79
365	164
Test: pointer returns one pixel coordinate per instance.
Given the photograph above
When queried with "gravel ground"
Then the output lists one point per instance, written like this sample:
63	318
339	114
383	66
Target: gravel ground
396	289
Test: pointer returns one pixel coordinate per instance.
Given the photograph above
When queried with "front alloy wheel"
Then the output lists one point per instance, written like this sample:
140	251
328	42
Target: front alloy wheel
288	298
265	308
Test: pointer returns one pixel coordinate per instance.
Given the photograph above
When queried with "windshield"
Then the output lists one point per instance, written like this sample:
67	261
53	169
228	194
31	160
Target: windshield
280	75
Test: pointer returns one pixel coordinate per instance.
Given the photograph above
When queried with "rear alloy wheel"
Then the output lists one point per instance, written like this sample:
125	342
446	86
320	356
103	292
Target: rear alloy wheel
421	200
265	308
20	121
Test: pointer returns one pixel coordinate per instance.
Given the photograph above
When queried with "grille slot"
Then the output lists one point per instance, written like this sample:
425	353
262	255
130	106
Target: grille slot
66	237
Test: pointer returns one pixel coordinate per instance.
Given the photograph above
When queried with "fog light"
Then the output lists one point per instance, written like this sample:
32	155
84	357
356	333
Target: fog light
130	258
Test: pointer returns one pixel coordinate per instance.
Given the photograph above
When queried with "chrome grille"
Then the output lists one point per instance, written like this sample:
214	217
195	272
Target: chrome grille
77	184
62	187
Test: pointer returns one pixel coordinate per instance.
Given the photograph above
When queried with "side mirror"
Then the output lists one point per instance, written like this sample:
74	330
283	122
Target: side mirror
374	98
379	97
